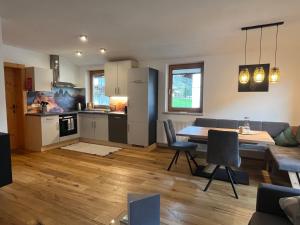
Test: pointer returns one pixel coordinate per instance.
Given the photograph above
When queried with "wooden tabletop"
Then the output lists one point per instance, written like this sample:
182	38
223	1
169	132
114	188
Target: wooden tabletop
202	133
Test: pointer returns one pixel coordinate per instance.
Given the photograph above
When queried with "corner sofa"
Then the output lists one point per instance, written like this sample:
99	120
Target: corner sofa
268	210
247	150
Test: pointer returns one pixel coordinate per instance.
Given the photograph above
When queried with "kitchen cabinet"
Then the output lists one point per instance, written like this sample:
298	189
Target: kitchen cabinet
116	76
38	79
117	124
41	131
142	107
94	126
50	130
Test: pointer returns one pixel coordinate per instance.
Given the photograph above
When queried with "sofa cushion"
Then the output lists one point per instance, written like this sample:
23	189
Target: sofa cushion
259	218
286	138
291	207
204	122
233	124
274	128
286	158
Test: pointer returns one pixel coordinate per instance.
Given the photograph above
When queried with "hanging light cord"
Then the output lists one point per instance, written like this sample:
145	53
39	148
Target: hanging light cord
246	47
260	44
276	46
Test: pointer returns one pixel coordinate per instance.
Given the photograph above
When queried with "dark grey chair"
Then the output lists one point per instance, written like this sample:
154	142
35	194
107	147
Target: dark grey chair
223	150
179	146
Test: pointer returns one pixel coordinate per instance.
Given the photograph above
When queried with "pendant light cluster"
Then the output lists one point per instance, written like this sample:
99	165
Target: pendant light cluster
259	72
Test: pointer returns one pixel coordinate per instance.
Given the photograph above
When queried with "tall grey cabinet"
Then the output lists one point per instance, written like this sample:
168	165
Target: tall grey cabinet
142	106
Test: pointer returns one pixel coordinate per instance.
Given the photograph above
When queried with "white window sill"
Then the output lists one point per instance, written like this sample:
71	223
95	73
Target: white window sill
184	113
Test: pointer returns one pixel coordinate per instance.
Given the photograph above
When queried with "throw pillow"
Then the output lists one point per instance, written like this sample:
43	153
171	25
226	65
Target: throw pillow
291	208
286	138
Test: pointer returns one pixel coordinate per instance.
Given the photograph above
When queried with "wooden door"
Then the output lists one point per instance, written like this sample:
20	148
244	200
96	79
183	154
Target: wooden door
14	105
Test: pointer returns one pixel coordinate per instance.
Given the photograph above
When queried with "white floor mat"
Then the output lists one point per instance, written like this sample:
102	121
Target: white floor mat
91	148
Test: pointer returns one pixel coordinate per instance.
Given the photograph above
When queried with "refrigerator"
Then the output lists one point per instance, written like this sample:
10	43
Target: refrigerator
142	106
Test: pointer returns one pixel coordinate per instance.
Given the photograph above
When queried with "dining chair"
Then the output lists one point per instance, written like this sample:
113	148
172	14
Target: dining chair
179	146
223	150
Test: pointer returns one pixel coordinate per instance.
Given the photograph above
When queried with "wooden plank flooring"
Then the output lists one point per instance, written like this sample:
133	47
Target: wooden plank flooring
60	187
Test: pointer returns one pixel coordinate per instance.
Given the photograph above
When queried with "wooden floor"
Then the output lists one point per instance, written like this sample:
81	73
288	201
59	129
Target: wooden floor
60	187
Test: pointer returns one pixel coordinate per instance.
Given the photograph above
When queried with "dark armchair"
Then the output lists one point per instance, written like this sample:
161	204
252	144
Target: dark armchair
268	210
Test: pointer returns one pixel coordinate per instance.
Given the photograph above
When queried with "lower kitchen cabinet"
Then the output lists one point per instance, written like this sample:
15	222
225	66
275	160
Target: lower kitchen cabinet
41	131
94	126
117	124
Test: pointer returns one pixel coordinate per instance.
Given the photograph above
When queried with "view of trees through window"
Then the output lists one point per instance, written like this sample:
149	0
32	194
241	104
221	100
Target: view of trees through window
185	91
98	89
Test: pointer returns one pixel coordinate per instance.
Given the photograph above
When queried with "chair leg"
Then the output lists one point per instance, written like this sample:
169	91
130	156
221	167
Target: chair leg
194	161
177	158
233	174
187	158
174	157
231	181
211	177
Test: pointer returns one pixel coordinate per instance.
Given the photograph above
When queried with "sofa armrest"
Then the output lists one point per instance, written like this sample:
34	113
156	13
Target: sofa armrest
268	196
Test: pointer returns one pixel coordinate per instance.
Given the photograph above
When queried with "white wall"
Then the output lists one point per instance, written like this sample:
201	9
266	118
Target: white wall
68	71
221	96
3	117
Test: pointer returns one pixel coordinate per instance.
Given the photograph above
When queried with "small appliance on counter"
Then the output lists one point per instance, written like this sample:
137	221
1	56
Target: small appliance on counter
79	106
44	107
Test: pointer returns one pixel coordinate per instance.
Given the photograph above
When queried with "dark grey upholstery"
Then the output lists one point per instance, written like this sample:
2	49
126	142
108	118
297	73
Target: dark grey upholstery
179	146
274	128
233	124
223	148
286	158
255	151
204	122
268	210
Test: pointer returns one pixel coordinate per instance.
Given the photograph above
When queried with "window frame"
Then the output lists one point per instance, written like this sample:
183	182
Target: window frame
95	73
170	87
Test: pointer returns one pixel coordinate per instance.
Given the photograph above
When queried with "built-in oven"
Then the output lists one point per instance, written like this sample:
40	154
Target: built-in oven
67	124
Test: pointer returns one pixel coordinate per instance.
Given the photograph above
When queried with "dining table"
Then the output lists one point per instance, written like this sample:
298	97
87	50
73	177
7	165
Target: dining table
201	134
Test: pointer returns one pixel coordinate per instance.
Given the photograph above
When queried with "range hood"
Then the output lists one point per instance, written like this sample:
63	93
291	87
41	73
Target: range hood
54	65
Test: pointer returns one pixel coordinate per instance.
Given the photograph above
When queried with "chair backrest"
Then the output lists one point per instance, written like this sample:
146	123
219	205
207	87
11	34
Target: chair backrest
172	130
223	148
168	133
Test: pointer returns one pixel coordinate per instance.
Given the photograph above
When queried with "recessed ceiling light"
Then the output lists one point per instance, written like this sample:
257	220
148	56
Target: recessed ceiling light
78	53
102	50
83	38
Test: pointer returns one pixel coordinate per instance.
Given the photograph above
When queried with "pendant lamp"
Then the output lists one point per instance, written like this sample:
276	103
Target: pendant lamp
259	72
244	75
275	72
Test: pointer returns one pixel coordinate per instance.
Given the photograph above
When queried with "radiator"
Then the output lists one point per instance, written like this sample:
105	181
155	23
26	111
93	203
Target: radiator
178	125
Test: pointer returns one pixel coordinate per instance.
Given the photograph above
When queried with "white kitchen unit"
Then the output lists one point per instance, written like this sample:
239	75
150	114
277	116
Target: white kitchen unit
93	126
142	106
41	131
116	76
38	79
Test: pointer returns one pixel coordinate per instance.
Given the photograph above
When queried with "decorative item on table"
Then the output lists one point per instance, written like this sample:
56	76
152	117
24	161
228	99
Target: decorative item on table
245	129
90	106
44	107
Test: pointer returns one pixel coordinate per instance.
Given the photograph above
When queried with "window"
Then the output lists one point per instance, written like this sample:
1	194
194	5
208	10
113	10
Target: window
97	87
185	93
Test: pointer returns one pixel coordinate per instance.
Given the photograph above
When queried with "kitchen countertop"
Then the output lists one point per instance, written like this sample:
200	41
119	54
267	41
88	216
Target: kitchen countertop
72	112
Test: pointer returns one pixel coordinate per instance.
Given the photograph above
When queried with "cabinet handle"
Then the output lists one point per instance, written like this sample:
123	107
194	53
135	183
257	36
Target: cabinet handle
118	90
115	90
95	124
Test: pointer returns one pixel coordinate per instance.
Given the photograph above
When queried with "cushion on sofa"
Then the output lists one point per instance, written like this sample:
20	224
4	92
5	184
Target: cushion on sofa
259	218
274	128
205	122
291	207
286	138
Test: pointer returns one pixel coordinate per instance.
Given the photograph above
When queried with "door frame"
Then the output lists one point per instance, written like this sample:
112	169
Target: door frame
21	114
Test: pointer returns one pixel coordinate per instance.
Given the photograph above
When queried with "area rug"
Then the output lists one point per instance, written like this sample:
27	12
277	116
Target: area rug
91	148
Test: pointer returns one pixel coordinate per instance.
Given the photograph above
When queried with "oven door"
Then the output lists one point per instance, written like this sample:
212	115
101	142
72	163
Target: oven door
67	125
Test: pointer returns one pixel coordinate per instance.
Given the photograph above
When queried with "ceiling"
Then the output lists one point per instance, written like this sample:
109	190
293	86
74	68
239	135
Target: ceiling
143	29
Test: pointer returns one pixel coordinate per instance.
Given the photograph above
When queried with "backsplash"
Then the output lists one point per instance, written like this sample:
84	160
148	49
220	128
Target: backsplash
59	99
117	103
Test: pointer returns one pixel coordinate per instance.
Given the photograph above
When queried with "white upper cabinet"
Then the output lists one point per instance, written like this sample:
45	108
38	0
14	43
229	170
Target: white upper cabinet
38	79
116	77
